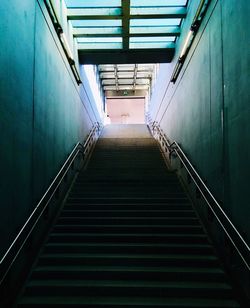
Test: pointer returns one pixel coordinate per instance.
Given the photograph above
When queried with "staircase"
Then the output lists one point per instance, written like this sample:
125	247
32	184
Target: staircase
127	237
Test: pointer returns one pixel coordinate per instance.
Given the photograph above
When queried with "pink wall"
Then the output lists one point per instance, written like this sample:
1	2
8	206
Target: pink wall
129	110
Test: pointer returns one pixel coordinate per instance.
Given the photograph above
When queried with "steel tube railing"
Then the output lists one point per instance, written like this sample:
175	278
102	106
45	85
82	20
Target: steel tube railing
24	234
228	227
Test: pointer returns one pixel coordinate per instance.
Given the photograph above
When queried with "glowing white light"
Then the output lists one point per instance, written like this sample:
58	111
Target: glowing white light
184	49
66	45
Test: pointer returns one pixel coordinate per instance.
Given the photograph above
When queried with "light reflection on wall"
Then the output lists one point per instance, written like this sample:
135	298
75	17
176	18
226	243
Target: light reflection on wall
95	86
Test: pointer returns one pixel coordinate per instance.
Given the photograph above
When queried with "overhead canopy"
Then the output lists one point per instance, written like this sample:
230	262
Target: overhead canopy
126	31
120	77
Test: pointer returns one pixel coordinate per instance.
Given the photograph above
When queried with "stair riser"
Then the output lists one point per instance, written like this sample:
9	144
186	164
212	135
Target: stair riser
126	185
114	185
195	239
129	221
127	237
126	262
130	165
134	207
126	249
78	193
130	275
87	181
129	230
131	202
107	213
127	304
127	172
124	154
115	162
126	291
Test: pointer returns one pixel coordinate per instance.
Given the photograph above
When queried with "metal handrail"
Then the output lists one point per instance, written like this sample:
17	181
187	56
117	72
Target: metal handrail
96	128
22	237
231	231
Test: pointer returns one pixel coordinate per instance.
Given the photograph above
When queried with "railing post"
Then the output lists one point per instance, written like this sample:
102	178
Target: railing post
26	239
202	191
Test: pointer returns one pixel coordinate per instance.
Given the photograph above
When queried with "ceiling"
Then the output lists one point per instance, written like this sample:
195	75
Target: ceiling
127	77
126	31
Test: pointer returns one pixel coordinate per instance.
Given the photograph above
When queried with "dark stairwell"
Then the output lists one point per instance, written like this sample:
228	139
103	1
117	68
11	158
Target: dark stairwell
127	236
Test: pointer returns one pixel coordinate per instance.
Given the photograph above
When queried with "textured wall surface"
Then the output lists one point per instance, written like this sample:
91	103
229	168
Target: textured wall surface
207	110
126	110
43	112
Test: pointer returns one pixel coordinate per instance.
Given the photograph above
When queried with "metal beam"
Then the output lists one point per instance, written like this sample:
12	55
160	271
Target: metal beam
141	78
164	55
174	33
126	85
116	78
115	17
128	88
135	76
125	23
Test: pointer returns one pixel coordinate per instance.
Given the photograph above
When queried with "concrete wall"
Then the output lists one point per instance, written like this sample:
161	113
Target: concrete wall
207	110
43	112
126	110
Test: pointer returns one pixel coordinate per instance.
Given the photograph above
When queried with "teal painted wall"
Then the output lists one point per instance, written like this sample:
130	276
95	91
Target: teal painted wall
43	112
207	110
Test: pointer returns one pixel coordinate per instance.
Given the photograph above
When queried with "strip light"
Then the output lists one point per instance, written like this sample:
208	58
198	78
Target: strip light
66	45
199	15
187	43
63	39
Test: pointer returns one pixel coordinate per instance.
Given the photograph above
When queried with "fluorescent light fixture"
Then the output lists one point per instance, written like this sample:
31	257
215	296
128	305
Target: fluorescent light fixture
70	57
76	74
187	43
66	45
199	15
63	39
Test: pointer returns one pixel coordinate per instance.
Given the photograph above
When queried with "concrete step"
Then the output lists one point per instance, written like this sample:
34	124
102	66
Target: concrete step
130	201
177	229
128	213
117	220
128	288
134	248
119	259
154	273
127	238
125	194
125	302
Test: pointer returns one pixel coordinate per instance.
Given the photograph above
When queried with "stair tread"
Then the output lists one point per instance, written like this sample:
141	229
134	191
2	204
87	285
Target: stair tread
92	258
129	198
122	283
92	234
130	301
131	226
131	244
129	256
115	268
128	211
75	226
131	218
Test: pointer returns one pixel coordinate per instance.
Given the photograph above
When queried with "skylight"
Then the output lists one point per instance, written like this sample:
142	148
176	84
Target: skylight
92	3
126	24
